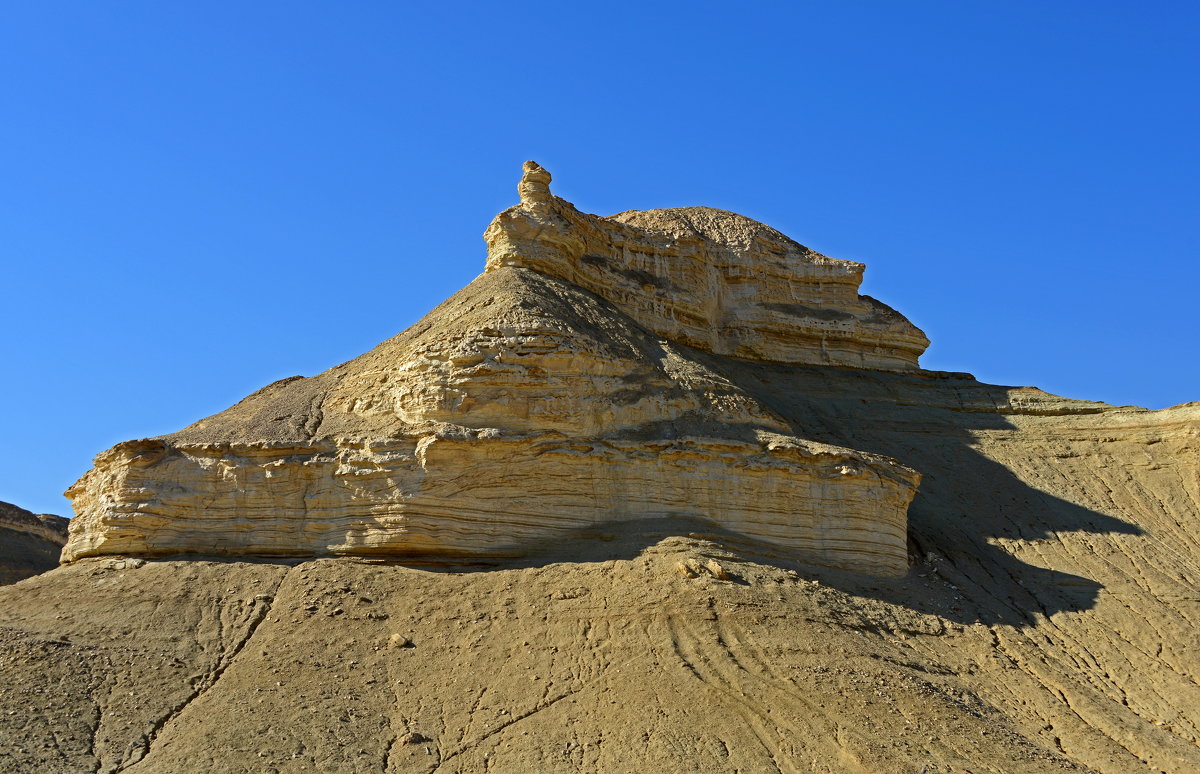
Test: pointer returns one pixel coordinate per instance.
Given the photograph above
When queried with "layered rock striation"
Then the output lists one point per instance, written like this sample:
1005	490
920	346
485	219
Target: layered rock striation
1048	622
1048	625
708	278
577	384
30	543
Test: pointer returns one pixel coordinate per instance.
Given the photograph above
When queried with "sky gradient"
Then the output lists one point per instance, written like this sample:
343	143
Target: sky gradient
200	198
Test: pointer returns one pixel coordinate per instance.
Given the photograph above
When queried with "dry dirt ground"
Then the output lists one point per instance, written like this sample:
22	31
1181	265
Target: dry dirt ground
1049	623
617	665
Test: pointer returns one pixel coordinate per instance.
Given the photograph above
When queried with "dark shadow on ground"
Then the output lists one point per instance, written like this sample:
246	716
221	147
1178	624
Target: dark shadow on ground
926	421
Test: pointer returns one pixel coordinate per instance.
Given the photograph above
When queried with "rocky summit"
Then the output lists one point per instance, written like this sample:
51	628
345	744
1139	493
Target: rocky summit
656	491
585	379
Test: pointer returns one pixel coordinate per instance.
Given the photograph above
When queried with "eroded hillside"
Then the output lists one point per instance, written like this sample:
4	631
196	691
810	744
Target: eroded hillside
553	527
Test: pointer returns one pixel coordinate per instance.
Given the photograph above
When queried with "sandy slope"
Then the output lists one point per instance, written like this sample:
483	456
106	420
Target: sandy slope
1049	623
616	665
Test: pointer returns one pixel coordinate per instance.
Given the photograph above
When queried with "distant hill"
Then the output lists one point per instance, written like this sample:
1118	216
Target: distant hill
29	543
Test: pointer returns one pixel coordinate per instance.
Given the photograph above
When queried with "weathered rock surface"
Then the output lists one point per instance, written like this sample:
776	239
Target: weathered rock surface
30	543
536	404
1050	621
1049	624
708	278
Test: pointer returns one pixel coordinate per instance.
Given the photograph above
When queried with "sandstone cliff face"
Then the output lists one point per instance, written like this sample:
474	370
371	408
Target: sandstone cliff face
541	401
29	543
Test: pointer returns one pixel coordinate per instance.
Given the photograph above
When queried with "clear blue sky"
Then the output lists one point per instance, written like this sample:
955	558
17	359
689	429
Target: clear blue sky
198	198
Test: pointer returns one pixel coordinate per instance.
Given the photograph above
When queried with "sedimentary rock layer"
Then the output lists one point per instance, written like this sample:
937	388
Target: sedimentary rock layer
665	618
708	278
1048	625
471	496
523	410
46	526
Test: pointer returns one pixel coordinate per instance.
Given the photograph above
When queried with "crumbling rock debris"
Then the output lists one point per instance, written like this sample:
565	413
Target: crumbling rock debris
694	568
716	570
413	737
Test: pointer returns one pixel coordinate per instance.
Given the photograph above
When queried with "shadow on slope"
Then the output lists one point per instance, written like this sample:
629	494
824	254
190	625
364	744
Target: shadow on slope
966	500
24	556
1011	593
928	421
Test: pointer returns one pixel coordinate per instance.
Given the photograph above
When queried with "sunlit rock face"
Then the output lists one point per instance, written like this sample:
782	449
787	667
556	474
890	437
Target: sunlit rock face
581	383
708	278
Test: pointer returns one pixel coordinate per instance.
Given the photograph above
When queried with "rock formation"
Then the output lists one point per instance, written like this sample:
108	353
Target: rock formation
29	543
1048	624
669	618
709	279
579	381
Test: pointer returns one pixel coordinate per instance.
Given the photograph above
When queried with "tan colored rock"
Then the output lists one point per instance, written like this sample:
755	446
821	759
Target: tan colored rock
714	568
694	568
524	410
29	543
707	278
443	495
1048	623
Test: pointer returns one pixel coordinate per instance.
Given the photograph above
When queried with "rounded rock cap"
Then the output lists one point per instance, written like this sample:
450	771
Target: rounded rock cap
535	182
